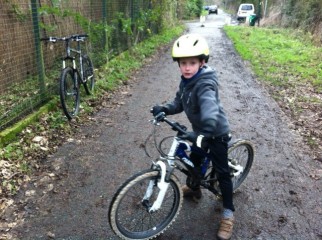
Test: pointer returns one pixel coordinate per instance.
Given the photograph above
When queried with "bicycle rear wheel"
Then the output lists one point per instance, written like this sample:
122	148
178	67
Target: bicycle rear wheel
128	214
240	154
69	93
88	74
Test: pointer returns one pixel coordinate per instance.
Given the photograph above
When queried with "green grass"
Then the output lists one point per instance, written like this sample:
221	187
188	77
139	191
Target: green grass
291	66
281	57
108	77
19	154
119	69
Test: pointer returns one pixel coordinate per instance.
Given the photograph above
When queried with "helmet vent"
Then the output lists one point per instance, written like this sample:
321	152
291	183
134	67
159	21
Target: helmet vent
195	42
178	44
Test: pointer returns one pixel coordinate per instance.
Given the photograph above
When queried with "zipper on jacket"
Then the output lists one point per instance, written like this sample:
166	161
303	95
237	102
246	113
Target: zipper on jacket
183	90
189	98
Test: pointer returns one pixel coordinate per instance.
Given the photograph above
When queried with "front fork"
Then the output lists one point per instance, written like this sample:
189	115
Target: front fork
161	184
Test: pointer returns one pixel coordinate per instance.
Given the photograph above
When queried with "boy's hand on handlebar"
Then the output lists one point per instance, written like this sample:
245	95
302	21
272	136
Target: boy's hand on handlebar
159	117
157	109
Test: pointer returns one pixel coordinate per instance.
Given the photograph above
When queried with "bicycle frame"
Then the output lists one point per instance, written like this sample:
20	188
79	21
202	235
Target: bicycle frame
177	150
78	52
148	202
72	75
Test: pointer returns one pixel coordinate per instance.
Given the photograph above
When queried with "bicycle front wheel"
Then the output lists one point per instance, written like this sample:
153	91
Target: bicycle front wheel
129	215
88	74
69	93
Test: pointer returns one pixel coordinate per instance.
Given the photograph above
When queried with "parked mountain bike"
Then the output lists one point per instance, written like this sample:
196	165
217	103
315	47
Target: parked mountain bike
148	202
78	70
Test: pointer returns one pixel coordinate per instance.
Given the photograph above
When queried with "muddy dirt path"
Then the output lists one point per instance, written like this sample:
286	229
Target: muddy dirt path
278	200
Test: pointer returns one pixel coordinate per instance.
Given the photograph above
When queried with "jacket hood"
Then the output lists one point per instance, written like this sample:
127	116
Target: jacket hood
206	73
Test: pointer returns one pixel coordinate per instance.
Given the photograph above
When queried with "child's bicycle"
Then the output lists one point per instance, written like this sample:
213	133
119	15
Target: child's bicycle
148	202
79	70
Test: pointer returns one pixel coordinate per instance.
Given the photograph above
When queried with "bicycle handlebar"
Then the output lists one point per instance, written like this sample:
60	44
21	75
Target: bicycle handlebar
161	117
75	37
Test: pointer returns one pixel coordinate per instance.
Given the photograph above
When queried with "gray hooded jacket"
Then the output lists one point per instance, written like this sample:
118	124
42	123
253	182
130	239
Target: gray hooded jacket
198	97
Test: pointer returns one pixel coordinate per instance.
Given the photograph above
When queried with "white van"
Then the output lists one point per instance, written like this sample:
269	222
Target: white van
244	11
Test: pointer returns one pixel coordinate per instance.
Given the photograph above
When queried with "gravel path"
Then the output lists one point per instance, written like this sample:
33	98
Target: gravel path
279	200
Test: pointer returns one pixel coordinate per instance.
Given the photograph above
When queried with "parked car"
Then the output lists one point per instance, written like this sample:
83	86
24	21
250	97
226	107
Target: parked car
213	9
245	10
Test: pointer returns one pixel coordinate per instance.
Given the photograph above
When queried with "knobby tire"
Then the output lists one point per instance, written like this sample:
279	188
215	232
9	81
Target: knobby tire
88	72
241	152
69	93
130	219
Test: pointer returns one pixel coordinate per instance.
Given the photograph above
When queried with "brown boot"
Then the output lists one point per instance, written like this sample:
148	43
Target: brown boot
225	229
189	193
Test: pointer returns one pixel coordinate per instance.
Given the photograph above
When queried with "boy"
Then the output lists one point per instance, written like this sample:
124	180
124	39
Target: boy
198	98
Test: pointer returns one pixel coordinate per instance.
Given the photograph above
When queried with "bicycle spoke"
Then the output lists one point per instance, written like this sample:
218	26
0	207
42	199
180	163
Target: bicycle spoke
241	155
69	93
132	216
88	74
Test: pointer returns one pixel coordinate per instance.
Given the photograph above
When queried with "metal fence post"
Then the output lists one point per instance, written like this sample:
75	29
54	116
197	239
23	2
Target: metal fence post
39	55
258	12
104	14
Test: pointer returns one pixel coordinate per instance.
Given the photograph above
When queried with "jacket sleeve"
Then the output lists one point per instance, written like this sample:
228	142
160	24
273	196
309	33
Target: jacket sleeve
210	109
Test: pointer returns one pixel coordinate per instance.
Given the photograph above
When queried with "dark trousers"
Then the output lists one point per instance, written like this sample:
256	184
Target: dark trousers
218	150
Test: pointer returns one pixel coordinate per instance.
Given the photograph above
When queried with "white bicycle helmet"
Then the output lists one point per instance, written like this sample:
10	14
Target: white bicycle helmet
190	45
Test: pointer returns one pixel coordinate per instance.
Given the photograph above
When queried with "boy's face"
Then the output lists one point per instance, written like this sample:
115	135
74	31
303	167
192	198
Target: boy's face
189	66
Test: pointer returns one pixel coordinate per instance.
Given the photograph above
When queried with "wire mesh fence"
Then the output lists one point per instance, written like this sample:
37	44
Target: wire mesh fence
30	68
